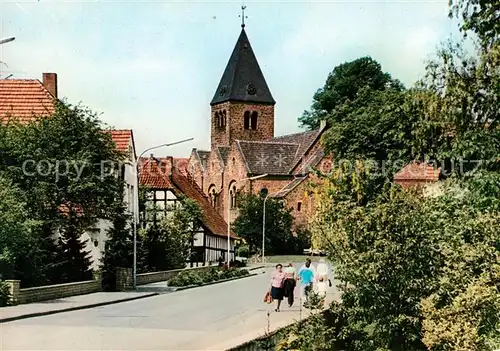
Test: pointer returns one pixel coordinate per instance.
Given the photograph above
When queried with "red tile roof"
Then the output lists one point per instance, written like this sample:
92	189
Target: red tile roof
152	176
211	218
122	138
418	171
24	100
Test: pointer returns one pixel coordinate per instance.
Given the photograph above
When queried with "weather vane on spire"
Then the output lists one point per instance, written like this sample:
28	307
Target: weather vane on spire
243	7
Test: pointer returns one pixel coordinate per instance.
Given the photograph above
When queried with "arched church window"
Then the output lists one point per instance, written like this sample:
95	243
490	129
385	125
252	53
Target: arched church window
224	118
232	195
247	120
217	119
212	194
253	120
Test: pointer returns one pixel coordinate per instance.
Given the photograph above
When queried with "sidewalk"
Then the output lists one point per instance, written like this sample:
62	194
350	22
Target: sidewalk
72	303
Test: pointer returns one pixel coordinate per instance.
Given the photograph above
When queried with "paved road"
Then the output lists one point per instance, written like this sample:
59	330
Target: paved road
208	318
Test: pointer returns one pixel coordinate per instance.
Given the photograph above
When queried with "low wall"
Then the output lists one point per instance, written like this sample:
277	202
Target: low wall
50	292
154	277
58	291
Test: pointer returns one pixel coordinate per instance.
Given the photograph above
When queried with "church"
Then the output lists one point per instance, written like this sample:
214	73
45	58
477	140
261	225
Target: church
245	155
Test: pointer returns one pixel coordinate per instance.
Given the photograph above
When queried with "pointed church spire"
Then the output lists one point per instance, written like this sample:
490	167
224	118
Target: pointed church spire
242	79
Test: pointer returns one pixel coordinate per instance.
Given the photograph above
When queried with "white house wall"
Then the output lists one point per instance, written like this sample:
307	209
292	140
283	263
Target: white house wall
131	200
96	242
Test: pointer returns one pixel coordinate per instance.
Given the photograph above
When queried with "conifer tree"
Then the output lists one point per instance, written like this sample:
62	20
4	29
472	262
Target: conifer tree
75	259
119	247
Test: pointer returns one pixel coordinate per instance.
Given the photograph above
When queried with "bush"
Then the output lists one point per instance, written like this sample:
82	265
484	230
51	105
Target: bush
237	264
4	294
187	278
243	251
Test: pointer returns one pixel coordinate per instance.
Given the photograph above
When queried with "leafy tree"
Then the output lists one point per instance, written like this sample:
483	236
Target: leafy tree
16	233
279	222
343	85
418	269
62	163
377	127
166	245
479	17
463	97
119	252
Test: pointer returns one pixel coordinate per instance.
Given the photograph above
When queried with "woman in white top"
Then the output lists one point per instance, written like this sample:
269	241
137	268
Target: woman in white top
322	270
322	279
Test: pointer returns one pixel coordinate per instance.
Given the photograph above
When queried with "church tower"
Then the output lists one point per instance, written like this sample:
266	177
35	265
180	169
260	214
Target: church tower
242	107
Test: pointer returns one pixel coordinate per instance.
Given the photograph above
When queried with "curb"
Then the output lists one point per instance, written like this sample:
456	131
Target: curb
180	288
76	308
255	268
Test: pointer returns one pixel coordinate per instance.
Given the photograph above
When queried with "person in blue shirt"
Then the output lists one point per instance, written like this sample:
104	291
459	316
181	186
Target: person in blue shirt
306	278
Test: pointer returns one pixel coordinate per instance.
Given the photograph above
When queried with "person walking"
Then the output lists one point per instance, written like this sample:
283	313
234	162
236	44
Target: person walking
306	277
290	283
277	281
322	270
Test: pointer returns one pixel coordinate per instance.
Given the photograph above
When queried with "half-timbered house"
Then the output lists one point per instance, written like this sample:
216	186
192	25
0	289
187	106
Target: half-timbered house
166	180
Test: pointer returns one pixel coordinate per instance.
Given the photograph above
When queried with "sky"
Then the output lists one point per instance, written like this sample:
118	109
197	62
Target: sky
153	66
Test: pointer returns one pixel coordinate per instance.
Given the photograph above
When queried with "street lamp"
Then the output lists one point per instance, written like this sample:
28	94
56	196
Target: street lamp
136	203
7	40
229	212
264	221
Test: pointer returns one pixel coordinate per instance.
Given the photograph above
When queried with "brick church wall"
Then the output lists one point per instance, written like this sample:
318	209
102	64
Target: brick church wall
235	123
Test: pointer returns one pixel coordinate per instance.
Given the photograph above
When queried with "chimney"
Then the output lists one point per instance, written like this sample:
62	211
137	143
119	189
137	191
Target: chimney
322	124
169	165
50	83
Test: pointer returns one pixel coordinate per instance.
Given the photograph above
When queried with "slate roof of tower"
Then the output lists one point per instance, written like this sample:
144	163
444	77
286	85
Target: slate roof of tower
241	76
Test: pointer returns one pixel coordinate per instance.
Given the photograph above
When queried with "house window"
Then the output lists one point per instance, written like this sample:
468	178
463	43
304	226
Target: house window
253	120
122	172
247	120
224	118
299	206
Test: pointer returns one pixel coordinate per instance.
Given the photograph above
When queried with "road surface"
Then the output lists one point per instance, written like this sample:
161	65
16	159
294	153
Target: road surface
214	317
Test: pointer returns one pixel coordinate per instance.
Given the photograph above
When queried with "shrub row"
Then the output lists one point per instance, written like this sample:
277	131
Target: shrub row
187	278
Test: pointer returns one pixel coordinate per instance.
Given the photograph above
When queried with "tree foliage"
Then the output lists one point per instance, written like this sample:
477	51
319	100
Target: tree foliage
119	251
64	166
421	268
479	17
279	224
343	85
167	244
17	234
421	272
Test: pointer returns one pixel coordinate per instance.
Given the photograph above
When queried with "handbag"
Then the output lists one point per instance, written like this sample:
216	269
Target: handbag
268	298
